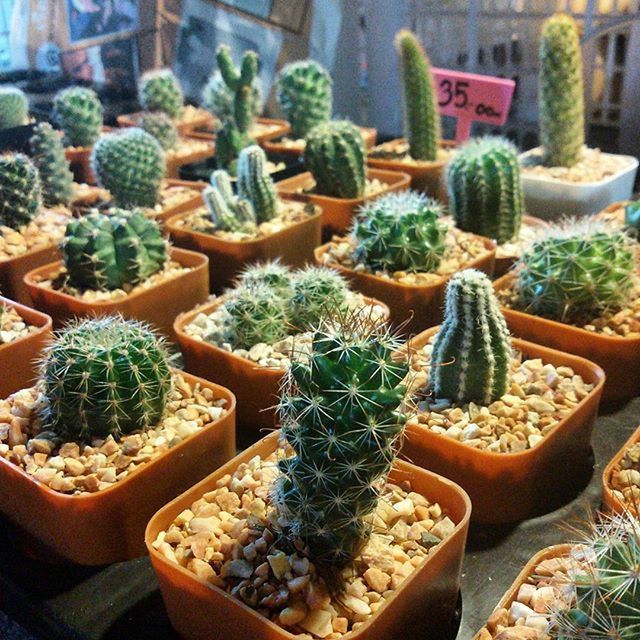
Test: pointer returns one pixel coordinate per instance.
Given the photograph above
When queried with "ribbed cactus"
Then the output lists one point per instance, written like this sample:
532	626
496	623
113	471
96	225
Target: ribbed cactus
561	92
255	184
217	98
131	165
421	111
272	274
400	232
160	90
108	251
14	107
226	210
79	113
105	376
632	216
161	127
304	93
334	153
472	351
20	190
49	158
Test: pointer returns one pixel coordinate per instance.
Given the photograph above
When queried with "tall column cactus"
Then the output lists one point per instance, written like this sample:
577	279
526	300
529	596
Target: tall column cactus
472	351
160	90
255	184
20	190
79	113
217	98
14	107
561	92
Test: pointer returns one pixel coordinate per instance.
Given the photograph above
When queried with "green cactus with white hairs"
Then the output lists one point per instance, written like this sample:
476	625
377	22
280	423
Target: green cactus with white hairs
400	232
217	98
334	153
272	274
104	376
20	190
131	165
304	93
255	184
561	92
472	351
79	113
160	90
227	211
421	111
161	127
14	107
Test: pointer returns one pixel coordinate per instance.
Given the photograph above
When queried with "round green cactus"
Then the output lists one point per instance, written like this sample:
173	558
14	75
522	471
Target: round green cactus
160	90
255	184
20	190
217	98
272	274
14	107
161	127
79	113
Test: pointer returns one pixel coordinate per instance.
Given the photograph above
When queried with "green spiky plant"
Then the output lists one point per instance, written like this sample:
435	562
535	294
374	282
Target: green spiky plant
421	111
217	98
334	153
561	92
79	113
400	232
161	127
485	189
14	107
20	190
272	273
632	216
227	212
105	376
131	165
160	90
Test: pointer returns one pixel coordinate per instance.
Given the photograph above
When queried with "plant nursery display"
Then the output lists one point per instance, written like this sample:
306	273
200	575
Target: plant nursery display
14	107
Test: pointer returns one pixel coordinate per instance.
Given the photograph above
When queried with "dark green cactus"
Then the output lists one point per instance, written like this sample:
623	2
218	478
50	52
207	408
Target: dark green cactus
14	107
79	113
217	98
272	274
227	211
160	90
161	127
20	190
255	184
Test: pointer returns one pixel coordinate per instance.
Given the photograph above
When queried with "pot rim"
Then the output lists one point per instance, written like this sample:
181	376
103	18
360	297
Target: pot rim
609	498
414	164
44	319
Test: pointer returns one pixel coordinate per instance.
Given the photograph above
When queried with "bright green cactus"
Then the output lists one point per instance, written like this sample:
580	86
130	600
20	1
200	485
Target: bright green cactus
400	232
161	127
79	113
106	376
20	190
561	92
160	90
131	165
217	98
227	211
334	153
304	93
255	184
14	107
272	274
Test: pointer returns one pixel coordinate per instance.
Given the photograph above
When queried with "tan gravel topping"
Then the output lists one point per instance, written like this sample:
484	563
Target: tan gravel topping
258	129
172	196
399	152
227	538
76	468
185	147
12	326
625	481
190	113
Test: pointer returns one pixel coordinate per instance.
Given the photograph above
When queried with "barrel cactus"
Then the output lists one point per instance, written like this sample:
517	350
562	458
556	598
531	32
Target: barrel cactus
20	190
272	274
227	211
49	158
161	127
217	98
14	107
255	184
79	113
160	90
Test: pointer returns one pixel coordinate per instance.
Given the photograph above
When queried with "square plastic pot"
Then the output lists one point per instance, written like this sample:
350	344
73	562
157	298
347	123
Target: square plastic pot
280	147
199	611
510	487
280	128
610	502
188	204
175	162
108	526
184	127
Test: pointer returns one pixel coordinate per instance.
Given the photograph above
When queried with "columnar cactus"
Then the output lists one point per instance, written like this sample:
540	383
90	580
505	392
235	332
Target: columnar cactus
255	184
79	113
20	190
472	351
561	92
227	211
334	153
49	158
14	107
160	90
272	274
106	376
131	165
217	98
161	127
421	111
400	232
304	93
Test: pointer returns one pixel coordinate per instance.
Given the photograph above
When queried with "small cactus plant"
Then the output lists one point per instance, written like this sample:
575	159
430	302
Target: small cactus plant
160	90
632	216
226	211
561	92
20	190
334	153
217	98
272	274
105	376
400	232
79	113
14	107
255	184
161	127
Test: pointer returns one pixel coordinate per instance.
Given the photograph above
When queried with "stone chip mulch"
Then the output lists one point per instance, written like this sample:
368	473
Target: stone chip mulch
12	325
625	480
399	152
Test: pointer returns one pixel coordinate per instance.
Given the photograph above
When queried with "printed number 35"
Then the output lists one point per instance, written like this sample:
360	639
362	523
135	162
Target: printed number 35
457	91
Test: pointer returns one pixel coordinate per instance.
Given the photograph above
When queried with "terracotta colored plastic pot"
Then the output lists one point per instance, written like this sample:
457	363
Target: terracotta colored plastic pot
611	503
280	147
17	358
158	305
108	526
187	205
500	484
504	263
338	213
293	245
199	611
80	164
184	127
415	307
174	162
618	356
280	128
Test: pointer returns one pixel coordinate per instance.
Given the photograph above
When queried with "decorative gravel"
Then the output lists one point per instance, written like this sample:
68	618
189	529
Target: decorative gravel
185	147
12	326
625	481
172	196
399	152
259	129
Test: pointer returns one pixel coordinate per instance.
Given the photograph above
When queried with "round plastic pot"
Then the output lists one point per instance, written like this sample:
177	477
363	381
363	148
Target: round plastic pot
280	128
18	358
184	127
199	611
413	306
158	305
280	147
500	484
504	263
79	159
108	526
174	162
619	357
610	502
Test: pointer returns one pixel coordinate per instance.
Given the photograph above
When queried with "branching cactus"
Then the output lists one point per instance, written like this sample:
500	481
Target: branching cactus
421	111
217	98
485	190
49	158
79	113
472	351
334	153
14	107
400	232
226	210
255	184
20	190
105	376
161	127
160	90
304	93
561	92
340	413
272	274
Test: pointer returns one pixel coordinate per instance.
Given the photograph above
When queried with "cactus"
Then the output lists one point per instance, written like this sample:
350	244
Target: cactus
20	190
226	210
131	165
14	107
485	191
561	92
421	111
49	158
79	113
400	232
255	184
106	376
272	274
160	90
334	153
632	216
161	127
217	98
304	93
108	251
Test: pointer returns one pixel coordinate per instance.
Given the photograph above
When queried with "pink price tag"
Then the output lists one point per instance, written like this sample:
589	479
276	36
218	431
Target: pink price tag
469	97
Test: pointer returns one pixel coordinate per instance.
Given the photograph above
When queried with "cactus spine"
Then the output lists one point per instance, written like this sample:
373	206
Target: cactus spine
20	191
217	98
226	210
160	90
161	127
14	107
255	184
79	113
272	274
